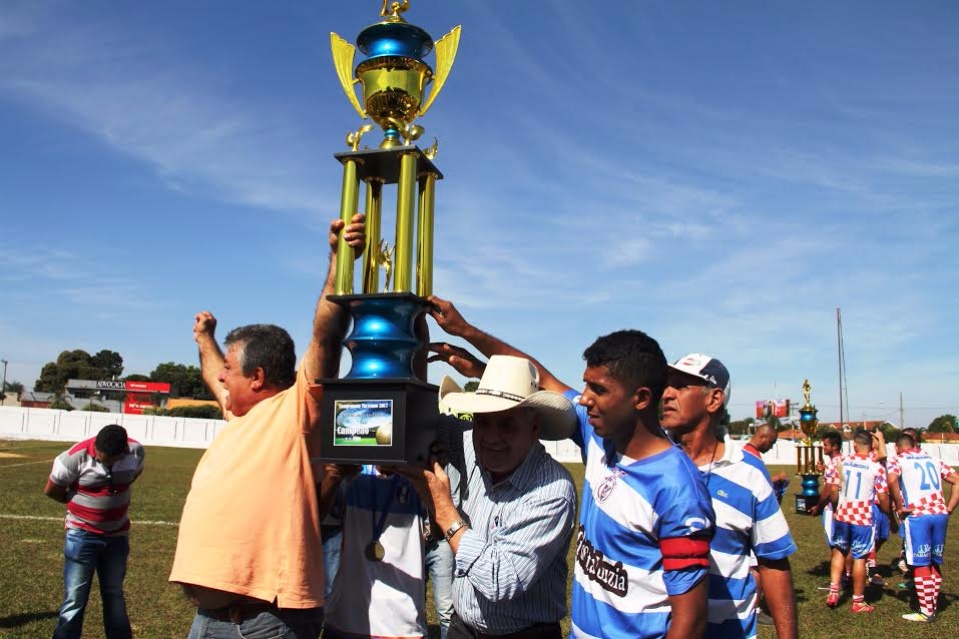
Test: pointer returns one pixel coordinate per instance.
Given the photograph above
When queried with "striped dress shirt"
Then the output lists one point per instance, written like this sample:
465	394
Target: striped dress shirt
510	568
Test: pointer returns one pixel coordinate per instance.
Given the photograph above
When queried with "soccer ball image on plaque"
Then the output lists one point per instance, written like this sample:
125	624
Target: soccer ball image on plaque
364	422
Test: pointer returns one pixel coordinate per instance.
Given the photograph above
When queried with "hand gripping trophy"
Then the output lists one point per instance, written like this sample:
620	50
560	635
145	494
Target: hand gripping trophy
380	411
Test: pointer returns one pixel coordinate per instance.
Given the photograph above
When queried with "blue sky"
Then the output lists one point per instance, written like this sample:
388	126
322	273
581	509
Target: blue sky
722	175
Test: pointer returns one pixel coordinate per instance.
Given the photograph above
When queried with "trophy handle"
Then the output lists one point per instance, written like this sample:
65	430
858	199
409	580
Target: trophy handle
445	54
343	53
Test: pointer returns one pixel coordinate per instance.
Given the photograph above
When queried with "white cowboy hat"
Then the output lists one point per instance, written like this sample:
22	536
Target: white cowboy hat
509	382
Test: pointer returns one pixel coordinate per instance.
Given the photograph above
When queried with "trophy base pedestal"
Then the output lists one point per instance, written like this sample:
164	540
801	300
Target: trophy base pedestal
805	502
377	421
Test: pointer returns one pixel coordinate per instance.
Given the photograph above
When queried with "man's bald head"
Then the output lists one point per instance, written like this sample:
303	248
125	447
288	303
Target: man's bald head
764	438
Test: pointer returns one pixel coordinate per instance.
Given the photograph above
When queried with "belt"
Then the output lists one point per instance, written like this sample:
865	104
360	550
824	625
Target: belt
536	631
239	612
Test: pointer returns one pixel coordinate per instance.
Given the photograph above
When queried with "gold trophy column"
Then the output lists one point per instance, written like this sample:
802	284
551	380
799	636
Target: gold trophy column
424	253
344	260
405	201
374	205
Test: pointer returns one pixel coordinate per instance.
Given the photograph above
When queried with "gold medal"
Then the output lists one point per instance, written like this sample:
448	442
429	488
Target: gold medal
375	551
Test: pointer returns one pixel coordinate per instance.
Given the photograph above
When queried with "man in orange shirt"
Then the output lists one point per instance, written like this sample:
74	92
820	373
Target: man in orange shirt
249	554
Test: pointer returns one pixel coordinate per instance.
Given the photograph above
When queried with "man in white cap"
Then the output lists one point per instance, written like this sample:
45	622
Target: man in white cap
512	530
642	548
749	521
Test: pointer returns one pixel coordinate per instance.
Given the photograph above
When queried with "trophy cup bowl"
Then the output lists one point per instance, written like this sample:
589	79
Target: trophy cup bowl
393	89
394	75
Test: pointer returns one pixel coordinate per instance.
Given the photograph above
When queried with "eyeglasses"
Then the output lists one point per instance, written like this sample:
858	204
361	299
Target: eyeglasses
111	489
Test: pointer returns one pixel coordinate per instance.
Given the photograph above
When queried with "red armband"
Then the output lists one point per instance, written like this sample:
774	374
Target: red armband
684	552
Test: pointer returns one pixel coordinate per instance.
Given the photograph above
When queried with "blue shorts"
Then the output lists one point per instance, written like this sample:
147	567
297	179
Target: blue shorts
850	538
925	538
881	523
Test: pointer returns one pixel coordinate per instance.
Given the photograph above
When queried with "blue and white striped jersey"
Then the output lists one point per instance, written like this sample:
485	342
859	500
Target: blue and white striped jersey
621	587
748	521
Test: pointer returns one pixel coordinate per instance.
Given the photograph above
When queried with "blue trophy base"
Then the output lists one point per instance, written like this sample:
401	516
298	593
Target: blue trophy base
809	496
379	413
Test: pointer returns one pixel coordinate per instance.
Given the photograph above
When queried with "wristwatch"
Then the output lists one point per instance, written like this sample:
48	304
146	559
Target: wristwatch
455	528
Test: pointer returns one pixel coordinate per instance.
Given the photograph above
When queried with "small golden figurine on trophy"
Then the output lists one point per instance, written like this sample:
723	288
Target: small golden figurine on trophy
385	259
395	8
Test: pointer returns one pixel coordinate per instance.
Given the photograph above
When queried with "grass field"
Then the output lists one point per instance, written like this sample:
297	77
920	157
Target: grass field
31	533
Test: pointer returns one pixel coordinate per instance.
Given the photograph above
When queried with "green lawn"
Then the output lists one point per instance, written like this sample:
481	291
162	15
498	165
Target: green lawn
32	561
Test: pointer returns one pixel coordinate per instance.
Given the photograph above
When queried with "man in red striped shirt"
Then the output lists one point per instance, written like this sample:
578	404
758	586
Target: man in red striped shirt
93	479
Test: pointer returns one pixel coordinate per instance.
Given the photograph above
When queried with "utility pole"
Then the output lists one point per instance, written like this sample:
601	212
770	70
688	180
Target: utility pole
902	418
839	347
3	389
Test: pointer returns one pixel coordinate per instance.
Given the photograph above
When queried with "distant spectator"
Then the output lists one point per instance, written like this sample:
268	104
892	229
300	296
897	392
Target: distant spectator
93	479
762	440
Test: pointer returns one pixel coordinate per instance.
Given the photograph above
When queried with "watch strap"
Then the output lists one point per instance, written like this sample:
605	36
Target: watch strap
455	528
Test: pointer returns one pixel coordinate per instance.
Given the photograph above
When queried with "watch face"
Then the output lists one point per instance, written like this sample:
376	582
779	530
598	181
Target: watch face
454	529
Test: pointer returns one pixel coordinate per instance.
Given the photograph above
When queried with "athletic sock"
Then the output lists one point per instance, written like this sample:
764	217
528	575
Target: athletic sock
936	587
925	586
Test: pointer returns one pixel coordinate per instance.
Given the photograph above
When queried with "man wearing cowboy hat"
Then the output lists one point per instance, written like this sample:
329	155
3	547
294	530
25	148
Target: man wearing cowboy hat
518	505
642	550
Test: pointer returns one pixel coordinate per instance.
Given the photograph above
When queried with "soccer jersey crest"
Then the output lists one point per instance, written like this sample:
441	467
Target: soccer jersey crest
605	488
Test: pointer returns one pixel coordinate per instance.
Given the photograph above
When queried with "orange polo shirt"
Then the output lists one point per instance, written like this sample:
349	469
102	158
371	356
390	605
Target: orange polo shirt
251	523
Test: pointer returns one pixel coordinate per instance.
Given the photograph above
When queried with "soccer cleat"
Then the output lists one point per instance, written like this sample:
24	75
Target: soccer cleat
877	580
920	617
832	600
902	565
862	606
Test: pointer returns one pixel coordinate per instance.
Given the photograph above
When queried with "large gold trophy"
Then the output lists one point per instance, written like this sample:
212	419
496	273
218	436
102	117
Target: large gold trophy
380	411
808	454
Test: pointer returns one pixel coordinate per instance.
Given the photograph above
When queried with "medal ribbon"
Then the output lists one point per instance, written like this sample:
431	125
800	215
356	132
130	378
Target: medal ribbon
378	525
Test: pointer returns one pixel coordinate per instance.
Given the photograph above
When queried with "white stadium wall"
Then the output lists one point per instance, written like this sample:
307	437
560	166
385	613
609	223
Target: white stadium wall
151	430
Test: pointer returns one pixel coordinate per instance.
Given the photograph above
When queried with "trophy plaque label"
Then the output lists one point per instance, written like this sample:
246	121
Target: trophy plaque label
364	422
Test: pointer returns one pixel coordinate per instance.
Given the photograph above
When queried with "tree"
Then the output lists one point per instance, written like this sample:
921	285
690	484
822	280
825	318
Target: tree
136	377
77	364
471	386
889	432
184	381
741	426
60	403
204	411
95	408
943	424
13	387
110	362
